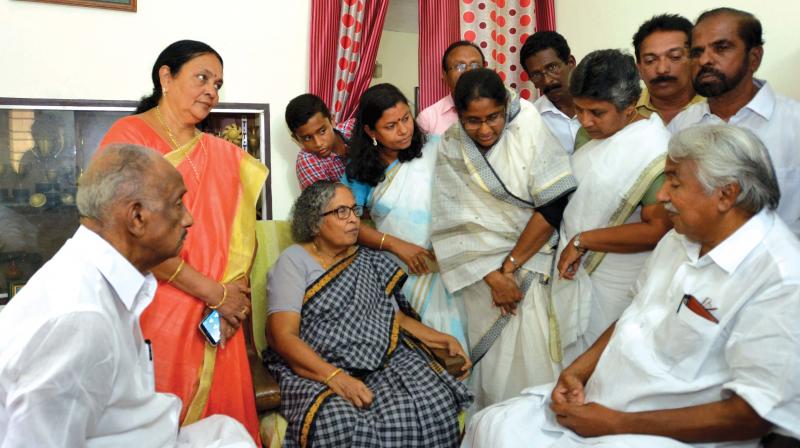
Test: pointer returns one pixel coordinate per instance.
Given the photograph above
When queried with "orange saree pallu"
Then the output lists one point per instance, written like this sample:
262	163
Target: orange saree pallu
223	184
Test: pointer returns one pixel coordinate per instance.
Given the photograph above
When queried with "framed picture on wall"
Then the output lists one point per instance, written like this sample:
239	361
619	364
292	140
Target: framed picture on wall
121	5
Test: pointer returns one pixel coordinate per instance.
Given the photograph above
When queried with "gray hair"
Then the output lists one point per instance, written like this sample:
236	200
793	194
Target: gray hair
607	75
115	175
725	154
308	208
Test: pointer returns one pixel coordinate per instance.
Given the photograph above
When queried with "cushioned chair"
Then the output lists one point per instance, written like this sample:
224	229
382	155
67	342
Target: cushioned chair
273	237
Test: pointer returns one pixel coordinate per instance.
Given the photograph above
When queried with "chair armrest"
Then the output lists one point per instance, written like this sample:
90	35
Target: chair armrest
452	364
267	391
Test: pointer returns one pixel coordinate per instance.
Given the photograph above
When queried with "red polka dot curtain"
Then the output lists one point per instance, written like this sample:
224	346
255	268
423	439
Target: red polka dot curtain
345	35
500	27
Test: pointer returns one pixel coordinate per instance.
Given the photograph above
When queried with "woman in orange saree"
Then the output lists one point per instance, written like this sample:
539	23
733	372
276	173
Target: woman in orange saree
223	183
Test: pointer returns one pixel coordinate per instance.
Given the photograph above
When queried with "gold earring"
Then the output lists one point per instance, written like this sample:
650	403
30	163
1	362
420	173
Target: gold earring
164	92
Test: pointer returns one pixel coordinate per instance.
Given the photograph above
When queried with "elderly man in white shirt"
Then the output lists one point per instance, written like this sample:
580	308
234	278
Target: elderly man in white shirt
708	352
74	369
726	50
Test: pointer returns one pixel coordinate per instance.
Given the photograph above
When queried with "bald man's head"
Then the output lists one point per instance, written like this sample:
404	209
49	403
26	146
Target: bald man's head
120	173
133	198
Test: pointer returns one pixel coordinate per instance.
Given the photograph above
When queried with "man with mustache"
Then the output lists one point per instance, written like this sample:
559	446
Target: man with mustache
661	46
726	50
548	62
75	370
707	352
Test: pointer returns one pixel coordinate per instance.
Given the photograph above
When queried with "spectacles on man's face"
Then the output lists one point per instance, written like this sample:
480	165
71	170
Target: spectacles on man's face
343	212
495	119
554	69
462	67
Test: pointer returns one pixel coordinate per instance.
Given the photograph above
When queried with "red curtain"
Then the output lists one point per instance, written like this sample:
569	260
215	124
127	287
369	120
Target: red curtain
370	27
438	28
545	15
322	54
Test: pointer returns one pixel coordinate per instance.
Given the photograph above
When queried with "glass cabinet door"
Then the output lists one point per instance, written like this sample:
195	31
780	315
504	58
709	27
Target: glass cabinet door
45	146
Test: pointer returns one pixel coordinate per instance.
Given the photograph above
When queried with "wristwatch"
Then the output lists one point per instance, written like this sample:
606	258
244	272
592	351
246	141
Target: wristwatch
577	243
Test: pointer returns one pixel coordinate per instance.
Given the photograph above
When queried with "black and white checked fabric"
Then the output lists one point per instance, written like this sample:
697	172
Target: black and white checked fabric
349	323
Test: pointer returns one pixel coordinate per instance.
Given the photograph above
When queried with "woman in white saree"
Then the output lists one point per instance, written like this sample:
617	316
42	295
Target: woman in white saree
390	170
499	190
613	219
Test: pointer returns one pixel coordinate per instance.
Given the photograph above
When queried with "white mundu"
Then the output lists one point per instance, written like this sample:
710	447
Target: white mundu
665	356
775	119
77	372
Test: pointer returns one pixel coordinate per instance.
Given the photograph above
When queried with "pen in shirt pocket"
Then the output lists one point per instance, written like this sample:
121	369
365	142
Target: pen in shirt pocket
151	378
697	308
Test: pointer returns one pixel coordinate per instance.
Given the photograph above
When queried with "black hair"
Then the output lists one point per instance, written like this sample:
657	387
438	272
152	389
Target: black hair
476	84
662	22
363	161
302	108
174	56
457	44
607	75
749	26
542	40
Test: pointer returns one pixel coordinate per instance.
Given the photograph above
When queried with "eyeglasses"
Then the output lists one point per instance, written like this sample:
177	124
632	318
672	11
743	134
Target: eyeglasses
473	124
553	68
343	212
462	67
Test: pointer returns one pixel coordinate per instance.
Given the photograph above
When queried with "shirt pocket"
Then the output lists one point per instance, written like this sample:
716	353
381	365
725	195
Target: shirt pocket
684	341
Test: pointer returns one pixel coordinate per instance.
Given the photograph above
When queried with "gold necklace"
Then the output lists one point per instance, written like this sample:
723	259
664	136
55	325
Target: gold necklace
189	145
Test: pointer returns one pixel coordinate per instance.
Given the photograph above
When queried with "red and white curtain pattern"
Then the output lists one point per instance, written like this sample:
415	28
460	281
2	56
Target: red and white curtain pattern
360	28
345	35
499	28
438	28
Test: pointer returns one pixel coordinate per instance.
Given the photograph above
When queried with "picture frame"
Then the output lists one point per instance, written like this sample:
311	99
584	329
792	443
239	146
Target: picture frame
119	5
14	288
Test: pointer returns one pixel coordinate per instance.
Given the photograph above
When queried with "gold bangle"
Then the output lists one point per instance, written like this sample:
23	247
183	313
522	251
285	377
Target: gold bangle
333	374
383	238
224	296
177	271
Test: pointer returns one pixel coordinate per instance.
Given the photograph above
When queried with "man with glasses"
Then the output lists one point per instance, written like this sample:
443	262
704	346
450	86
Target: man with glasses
547	60
661	46
459	57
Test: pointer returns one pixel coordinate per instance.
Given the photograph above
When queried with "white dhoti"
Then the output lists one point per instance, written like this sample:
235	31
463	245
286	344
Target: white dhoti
528	421
215	431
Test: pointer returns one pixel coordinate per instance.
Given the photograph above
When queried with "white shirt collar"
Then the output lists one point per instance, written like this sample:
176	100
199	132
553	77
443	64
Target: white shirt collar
730	253
763	103
123	277
545	105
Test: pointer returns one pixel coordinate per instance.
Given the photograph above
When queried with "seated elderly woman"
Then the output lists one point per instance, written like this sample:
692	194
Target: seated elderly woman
343	339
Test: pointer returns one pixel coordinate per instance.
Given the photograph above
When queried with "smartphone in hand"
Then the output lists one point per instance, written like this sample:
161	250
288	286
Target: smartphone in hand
209	326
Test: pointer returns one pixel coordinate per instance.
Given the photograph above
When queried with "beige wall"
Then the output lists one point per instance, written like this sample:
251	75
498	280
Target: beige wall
595	24
67	52
397	55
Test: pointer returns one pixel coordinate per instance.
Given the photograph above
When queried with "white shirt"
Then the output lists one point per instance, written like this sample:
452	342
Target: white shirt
73	364
663	356
564	128
775	119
